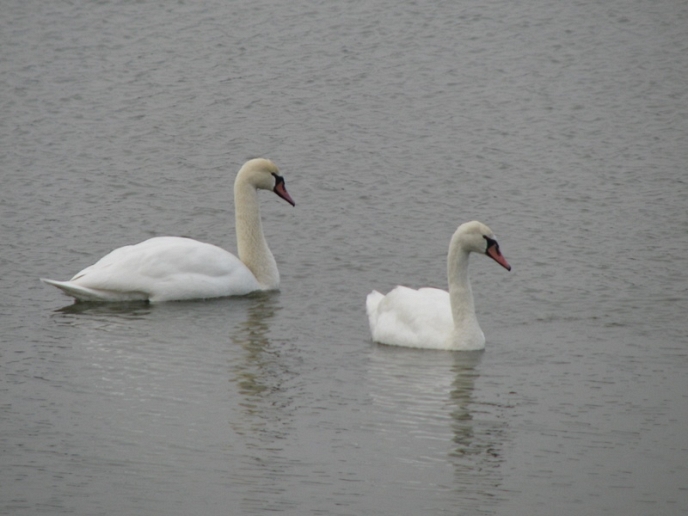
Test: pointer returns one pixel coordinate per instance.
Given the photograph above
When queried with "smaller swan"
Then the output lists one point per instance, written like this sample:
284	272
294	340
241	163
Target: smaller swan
431	318
176	268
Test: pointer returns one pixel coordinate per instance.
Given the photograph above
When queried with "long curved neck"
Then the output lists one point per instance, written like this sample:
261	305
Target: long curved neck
460	292
466	333
252	248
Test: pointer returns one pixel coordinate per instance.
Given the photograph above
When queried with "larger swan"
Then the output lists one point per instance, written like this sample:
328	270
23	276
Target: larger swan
176	268
432	318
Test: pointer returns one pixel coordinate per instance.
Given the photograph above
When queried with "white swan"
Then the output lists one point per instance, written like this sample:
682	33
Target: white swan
432	318
175	268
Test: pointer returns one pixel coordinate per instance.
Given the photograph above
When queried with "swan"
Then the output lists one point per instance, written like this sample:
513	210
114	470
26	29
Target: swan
431	318
177	268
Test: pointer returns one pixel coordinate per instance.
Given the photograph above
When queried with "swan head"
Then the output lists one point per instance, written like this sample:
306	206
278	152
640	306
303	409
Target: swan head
263	174
476	237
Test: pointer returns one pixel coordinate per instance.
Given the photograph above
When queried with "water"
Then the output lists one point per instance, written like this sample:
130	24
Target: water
561	125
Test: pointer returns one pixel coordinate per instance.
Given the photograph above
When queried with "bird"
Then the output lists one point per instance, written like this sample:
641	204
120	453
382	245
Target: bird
172	268
432	318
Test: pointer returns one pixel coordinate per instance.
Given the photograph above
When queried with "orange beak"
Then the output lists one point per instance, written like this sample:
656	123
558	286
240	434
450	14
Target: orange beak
281	190
494	253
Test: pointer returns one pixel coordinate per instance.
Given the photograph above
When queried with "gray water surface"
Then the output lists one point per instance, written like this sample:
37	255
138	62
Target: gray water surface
562	125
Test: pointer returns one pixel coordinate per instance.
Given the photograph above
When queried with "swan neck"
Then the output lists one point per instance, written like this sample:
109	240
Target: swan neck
252	247
460	292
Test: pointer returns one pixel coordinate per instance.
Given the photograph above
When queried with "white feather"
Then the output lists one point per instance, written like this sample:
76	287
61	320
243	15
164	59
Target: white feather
431	318
175	268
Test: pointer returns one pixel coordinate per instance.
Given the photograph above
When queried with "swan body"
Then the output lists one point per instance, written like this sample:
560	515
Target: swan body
432	318
175	268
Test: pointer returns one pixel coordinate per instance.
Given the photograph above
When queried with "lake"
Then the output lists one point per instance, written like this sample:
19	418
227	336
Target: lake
562	126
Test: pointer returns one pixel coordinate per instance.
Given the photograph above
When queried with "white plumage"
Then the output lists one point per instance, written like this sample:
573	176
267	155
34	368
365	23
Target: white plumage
432	318
176	268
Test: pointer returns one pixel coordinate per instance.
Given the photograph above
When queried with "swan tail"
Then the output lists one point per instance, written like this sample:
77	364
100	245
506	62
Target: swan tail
372	303
71	289
88	294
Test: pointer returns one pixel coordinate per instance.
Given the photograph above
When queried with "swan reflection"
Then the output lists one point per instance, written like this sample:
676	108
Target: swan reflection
427	408
260	373
128	309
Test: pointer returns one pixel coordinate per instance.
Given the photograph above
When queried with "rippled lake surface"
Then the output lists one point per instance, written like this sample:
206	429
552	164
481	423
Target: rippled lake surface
562	125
